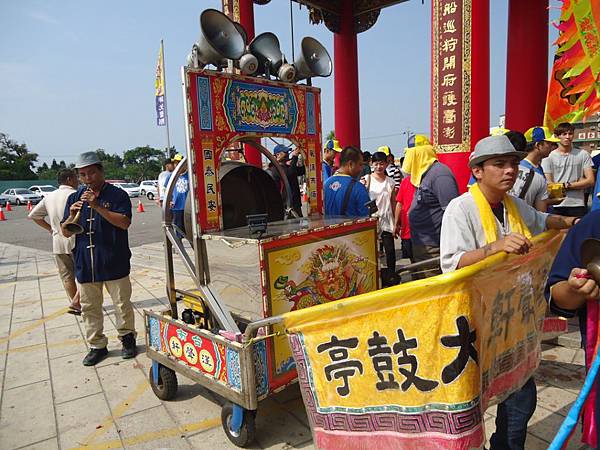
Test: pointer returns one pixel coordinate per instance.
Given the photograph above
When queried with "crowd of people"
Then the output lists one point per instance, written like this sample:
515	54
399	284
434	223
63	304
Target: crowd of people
512	196
507	202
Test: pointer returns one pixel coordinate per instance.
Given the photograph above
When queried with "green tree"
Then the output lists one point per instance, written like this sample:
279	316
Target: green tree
45	172
113	165
16	161
142	163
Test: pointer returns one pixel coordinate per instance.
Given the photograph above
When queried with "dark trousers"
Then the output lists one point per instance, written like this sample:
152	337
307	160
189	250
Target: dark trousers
513	415
407	249
573	211
178	221
423	253
387	239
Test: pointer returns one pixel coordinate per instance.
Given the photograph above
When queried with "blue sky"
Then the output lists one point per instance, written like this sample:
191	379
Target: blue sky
77	76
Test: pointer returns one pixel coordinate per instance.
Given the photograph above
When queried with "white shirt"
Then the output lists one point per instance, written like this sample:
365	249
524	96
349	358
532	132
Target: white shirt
462	231
162	183
53	207
381	192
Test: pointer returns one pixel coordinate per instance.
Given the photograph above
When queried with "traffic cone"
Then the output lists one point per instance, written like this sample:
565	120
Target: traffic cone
8	207
29	207
2	215
140	207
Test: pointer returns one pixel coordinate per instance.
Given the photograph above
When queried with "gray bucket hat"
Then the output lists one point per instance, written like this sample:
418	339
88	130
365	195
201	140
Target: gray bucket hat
87	159
492	147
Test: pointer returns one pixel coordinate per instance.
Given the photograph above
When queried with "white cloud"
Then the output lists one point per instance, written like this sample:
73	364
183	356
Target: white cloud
43	17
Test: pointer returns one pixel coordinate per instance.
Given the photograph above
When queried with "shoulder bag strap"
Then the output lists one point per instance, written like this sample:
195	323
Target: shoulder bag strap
347	196
527	184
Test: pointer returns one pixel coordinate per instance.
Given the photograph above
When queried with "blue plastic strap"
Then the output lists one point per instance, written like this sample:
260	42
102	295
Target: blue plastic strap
237	417
572	418
155	372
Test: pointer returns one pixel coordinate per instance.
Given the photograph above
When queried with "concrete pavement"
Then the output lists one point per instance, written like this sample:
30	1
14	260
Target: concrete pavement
49	400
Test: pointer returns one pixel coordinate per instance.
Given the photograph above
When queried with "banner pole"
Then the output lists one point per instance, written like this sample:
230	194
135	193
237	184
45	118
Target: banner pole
162	49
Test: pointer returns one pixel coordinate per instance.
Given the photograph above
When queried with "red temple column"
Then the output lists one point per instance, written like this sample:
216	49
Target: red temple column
480	71
345	62
527	63
252	155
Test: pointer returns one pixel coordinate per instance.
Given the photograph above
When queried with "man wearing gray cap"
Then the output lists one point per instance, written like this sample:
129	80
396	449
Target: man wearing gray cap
101	256
485	221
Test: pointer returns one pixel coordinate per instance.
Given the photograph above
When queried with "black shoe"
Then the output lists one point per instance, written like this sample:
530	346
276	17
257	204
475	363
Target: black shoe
95	356
129	349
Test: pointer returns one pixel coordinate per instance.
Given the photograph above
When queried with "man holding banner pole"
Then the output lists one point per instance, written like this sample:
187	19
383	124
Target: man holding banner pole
486	221
571	289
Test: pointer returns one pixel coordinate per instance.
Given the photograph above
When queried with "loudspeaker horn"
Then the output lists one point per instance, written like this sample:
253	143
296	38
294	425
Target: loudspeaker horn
314	60
271	61
220	39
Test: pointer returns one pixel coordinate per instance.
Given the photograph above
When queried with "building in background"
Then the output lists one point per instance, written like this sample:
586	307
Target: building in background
587	134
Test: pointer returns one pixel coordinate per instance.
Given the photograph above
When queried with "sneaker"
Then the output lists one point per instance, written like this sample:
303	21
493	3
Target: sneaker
129	349
94	356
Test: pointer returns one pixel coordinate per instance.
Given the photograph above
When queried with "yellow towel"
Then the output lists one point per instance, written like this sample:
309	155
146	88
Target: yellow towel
488	220
416	162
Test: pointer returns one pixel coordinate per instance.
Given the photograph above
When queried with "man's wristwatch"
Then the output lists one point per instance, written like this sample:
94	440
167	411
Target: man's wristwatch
567	185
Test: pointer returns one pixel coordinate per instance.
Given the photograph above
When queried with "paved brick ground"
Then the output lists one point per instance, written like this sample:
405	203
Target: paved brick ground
49	400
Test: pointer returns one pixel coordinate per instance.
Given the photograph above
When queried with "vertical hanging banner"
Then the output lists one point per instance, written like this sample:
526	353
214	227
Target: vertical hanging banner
451	84
159	87
451	76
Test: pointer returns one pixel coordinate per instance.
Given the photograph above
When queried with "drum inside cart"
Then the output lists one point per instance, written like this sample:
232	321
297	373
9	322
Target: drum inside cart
251	259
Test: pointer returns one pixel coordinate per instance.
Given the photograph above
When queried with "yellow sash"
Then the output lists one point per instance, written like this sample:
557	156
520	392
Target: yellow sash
488	220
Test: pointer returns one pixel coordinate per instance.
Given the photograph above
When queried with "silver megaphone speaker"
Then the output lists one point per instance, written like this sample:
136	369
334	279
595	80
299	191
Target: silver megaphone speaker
220	39
247	63
271	61
314	60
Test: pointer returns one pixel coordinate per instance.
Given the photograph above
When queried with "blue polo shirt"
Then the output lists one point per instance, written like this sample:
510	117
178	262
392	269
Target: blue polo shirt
335	190
327	171
569	255
101	252
182	187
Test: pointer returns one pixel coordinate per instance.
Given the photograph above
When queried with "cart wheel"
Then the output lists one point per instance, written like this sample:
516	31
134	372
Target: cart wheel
246	434
166	388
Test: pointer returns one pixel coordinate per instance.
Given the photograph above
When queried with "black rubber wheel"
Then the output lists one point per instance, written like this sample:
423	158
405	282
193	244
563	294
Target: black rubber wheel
142	192
18	202
166	388
150	196
248	430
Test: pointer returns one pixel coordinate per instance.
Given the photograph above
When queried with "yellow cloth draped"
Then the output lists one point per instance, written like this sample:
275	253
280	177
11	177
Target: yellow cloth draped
416	162
488	220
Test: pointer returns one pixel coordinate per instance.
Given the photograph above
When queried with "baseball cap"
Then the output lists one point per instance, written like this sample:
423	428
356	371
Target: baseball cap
417	140
384	149
492	147
280	148
178	157
87	159
539	134
333	144
499	131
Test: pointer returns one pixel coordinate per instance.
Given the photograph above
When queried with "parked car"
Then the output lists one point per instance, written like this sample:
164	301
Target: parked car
149	188
42	190
20	196
131	188
3	200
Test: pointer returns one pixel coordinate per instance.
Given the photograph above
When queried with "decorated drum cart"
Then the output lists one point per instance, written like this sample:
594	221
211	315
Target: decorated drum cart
251	259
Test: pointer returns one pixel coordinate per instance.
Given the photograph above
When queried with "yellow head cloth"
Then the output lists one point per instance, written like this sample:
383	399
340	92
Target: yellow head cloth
488	220
416	162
